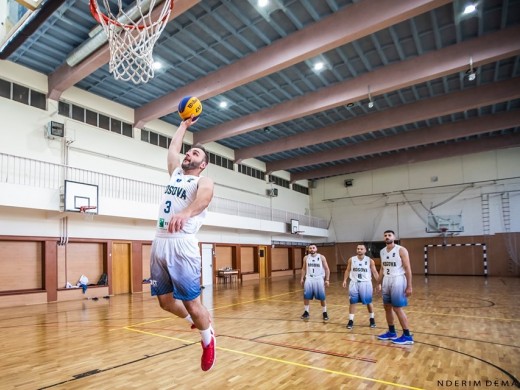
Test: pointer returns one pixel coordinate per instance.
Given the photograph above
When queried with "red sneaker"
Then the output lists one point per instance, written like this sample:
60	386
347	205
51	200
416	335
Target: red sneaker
208	355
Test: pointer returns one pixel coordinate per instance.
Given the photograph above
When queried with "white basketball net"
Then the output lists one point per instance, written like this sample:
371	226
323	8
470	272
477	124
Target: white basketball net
132	35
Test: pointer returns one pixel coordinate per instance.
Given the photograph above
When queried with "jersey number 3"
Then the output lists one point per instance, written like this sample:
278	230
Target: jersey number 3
168	206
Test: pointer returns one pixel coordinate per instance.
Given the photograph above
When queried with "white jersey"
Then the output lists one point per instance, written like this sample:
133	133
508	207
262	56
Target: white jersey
179	194
360	269
391	262
315	266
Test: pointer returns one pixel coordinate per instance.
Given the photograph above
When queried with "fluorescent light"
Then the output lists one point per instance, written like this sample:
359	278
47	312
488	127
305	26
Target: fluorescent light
223	104
263	3
319	66
157	65
470	8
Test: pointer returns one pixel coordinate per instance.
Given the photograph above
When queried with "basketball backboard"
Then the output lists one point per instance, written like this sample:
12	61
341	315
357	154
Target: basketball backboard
444	224
78	195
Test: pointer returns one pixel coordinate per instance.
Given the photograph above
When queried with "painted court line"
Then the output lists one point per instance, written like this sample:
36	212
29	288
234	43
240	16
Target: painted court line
287	362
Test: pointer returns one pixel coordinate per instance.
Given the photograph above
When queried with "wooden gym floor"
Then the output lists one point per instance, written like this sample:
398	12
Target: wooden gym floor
466	330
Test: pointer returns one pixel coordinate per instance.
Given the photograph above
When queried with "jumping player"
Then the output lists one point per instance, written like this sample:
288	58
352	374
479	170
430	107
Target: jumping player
175	257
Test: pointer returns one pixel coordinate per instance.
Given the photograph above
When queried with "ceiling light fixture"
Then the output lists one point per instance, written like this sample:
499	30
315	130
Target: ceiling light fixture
157	65
370	101
470	8
223	104
472	75
318	66
263	3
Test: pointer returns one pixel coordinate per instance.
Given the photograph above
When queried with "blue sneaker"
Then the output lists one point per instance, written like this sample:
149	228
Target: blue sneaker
387	336
403	340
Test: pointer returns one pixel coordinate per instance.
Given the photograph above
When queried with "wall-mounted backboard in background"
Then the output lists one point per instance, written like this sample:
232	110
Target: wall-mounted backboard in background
79	195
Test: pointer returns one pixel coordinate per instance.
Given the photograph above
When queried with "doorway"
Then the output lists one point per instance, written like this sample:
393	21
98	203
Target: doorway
207	265
262	262
121	268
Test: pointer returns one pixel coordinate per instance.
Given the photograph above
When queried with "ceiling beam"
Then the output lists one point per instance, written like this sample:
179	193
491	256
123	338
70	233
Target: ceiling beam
67	76
486	49
356	21
471	98
426	153
444	132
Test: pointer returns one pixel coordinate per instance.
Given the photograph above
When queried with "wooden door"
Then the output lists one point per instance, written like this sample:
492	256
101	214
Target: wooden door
262	263
121	270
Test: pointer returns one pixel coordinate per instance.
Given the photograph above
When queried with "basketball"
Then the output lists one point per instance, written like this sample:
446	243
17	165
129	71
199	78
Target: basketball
190	105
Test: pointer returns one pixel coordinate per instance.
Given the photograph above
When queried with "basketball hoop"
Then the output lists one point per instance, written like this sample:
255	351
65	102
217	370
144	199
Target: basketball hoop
85	210
131	43
443	230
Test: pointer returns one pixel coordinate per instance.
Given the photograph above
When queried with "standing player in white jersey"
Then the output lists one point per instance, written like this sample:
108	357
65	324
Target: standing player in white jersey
396	275
315	277
360	269
175	263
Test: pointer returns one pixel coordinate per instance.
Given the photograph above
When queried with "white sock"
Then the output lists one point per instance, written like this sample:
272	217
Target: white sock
189	319
306	308
324	309
372	315
351	317
206	336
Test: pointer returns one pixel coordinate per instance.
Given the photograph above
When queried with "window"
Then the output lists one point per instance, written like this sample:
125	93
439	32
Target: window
104	122
115	125
5	89
145	135
91	118
78	113
38	100
154	138
128	130
256	173
279	181
300	189
20	94
64	109
163	141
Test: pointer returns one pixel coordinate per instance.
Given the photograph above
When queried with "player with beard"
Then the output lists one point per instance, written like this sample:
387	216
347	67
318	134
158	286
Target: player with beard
396	275
315	276
175	262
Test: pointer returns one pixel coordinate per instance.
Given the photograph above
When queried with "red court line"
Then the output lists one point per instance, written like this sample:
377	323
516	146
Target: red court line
382	344
365	359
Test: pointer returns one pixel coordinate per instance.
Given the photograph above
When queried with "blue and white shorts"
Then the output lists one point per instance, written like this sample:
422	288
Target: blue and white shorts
393	290
314	287
360	292
175	267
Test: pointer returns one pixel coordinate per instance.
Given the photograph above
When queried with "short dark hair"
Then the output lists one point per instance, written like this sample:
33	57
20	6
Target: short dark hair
389	231
362	243
199	146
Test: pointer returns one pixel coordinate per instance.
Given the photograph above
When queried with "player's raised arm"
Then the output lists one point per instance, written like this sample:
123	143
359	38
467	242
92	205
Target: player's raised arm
174	150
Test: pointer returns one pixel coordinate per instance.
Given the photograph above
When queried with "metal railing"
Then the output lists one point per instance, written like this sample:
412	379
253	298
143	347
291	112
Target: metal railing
42	174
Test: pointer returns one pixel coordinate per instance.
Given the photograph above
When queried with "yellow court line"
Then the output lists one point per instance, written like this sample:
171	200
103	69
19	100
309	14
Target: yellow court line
216	308
287	362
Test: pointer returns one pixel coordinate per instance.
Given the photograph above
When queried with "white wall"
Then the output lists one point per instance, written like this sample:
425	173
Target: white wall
91	148
400	198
